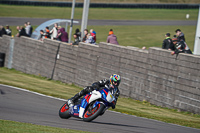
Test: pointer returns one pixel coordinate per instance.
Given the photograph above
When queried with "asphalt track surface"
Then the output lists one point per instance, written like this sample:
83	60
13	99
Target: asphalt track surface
24	106
37	21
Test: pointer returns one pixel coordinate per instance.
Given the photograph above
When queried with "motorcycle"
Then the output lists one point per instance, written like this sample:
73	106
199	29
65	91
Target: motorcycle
91	105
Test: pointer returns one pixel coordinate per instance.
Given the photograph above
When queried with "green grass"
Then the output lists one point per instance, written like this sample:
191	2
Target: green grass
97	13
124	105
19	127
130	1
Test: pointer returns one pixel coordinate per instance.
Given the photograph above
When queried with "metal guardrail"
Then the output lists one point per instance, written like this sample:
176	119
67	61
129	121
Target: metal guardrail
103	5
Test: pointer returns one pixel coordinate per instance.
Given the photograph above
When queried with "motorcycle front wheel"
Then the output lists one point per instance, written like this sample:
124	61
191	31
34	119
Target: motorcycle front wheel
64	111
92	113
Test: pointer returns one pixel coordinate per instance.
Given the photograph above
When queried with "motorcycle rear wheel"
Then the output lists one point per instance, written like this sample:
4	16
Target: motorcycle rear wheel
64	111
91	114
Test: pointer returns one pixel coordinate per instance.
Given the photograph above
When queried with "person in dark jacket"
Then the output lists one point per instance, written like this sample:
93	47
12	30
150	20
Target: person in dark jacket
22	31
181	47
85	35
2	31
76	40
8	30
112	38
180	35
63	35
167	43
78	33
113	82
47	33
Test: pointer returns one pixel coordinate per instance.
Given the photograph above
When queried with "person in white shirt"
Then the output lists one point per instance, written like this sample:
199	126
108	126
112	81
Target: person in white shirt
54	32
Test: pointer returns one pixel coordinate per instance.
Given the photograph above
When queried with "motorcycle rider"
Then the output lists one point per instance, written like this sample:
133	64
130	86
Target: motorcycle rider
113	82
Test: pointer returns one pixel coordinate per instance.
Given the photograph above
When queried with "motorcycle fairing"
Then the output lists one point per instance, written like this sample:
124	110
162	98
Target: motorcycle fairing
88	99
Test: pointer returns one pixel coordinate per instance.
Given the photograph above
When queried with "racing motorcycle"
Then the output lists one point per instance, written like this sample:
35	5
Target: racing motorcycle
91	105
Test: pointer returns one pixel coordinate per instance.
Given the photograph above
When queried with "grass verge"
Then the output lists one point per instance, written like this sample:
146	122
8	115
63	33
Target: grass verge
124	105
97	13
19	127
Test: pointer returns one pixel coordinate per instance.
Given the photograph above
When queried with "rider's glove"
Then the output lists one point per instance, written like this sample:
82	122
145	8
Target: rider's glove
95	86
107	82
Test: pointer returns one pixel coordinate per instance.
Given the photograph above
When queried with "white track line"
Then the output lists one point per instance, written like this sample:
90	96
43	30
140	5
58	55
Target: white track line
33	92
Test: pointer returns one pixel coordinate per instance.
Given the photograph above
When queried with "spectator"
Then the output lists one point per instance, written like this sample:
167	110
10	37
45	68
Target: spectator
76	40
8	30
21	31
41	35
93	34
89	39
31	28
85	33
78	33
47	34
2	31
112	38
27	28
54	32
167	43
63	35
180	35
57	37
181	47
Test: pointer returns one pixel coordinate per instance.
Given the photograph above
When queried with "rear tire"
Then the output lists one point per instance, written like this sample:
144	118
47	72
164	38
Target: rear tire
90	115
64	111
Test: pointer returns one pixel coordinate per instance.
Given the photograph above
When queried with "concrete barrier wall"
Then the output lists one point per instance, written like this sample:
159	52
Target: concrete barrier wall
35	57
152	75
173	83
4	47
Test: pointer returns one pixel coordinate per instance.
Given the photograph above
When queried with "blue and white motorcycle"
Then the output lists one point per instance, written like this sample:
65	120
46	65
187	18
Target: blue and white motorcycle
91	105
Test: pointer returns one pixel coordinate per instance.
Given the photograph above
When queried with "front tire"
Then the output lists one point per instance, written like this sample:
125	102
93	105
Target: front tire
91	114
64	111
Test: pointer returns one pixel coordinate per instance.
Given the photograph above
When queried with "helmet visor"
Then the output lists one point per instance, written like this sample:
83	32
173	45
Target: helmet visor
116	83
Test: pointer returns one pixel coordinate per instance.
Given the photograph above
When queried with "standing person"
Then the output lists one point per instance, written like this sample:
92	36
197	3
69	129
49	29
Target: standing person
47	34
54	32
27	28
58	33
112	38
21	31
85	33
2	30
41	35
8	30
180	35
78	33
90	39
93	34
167	43
181	47
30	28
63	35
76	40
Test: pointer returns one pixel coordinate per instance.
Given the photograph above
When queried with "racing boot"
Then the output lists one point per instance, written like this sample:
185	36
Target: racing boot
72	100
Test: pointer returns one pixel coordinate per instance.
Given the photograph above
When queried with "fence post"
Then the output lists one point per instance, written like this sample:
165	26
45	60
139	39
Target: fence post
11	50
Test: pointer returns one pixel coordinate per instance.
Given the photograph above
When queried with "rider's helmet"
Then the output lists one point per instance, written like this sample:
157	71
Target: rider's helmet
115	80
